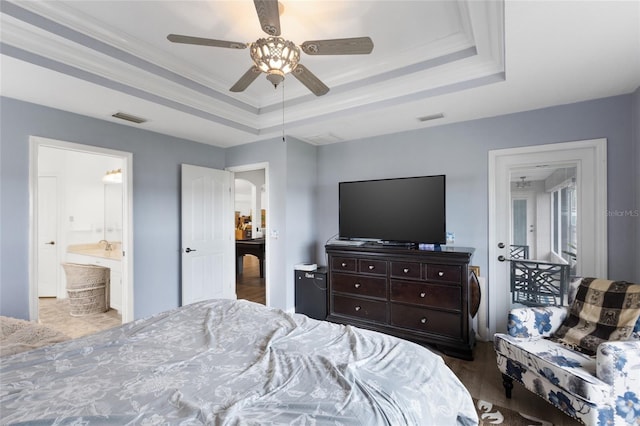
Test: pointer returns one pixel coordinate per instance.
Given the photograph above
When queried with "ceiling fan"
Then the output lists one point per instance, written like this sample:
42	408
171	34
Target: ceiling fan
277	56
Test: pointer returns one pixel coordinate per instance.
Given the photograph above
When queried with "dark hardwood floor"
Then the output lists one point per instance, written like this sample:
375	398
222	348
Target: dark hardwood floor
249	285
484	381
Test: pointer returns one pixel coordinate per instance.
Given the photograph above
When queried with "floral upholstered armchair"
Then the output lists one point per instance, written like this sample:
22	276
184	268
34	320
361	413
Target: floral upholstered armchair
562	355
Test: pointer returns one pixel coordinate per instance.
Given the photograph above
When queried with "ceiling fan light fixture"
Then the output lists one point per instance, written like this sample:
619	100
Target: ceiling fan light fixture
275	56
523	183
275	77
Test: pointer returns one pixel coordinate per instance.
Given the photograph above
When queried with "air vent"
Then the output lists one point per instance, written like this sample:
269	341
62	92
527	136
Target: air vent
431	117
323	139
129	117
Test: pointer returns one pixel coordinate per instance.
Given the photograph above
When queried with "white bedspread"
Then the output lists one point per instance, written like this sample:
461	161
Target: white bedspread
229	362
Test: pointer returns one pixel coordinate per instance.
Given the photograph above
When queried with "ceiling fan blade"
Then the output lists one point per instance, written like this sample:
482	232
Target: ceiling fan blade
246	79
269	16
177	38
339	46
312	82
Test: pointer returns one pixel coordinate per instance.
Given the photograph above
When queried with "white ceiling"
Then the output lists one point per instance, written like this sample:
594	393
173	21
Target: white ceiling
464	59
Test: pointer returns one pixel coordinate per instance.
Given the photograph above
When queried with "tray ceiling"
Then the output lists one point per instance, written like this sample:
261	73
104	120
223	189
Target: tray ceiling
461	59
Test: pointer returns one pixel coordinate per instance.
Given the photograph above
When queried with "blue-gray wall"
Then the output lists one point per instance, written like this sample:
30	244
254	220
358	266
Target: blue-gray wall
635	118
292	179
460	151
303	186
156	204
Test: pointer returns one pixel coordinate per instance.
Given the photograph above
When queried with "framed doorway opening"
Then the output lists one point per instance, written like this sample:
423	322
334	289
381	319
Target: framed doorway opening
259	209
506	168
36	146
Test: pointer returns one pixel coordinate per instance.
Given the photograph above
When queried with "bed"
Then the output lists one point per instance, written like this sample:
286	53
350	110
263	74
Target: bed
228	362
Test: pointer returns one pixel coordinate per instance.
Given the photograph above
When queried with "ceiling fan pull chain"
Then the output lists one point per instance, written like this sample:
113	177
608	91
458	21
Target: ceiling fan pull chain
283	140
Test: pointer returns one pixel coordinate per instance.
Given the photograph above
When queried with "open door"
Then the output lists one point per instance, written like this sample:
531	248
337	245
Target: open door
208	249
567	182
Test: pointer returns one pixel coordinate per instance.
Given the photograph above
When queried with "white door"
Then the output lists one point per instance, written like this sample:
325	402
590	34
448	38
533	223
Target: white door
48	266
208	241
589	157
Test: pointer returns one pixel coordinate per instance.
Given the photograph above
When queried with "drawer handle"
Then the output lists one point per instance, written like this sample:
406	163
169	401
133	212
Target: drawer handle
357	308
405	270
423	294
372	267
440	274
357	285
423	320
344	265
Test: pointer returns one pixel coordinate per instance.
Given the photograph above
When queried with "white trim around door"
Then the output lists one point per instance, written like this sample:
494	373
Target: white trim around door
267	206
590	159
35	143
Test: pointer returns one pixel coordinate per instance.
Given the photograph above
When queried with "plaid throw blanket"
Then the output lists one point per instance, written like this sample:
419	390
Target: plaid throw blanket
603	310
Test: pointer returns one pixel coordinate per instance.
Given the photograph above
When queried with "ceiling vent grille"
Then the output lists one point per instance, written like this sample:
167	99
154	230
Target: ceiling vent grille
431	117
129	117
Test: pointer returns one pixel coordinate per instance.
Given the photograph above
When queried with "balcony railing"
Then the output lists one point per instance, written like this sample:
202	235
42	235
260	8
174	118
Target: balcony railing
519	252
538	283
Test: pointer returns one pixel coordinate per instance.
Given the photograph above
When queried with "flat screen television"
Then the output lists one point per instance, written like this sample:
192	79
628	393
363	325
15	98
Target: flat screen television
403	210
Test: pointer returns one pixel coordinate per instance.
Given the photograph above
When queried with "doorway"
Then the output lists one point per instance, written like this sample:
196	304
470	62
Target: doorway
251	217
545	220
77	200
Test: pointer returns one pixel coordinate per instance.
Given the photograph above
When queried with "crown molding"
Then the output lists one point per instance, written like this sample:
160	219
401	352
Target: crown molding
58	36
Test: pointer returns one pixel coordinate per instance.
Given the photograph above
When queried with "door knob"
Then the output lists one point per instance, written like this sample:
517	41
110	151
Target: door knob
501	258
51	243
500	245
188	250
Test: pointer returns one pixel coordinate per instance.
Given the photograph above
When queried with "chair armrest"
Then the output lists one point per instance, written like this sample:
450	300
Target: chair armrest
618	364
535	322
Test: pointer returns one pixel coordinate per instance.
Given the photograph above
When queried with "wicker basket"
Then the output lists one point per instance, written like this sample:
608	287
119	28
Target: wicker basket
81	276
85	301
87	287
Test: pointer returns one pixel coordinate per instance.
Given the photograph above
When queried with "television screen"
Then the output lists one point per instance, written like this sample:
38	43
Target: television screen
394	210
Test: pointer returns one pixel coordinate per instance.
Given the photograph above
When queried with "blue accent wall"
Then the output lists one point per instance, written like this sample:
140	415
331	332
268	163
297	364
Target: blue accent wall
635	119
291	214
156	204
460	151
303	185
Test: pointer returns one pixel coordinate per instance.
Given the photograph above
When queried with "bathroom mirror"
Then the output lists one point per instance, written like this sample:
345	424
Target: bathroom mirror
113	212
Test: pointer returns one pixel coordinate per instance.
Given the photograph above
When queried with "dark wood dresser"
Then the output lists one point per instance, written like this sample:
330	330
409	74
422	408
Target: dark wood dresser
424	296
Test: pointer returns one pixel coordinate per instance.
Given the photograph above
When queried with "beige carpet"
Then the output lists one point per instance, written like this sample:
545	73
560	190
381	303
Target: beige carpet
491	414
18	336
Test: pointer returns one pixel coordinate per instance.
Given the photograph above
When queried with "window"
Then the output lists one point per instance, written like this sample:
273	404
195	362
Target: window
564	220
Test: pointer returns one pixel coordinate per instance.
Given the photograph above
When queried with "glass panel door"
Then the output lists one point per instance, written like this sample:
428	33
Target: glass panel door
544	235
585	224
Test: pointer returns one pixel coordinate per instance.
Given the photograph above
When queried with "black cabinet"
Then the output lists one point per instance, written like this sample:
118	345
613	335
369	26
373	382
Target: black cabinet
311	293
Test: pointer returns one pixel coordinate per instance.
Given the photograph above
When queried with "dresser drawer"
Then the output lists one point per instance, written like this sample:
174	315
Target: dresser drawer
359	285
368	266
426	320
441	296
349	264
359	308
448	273
406	270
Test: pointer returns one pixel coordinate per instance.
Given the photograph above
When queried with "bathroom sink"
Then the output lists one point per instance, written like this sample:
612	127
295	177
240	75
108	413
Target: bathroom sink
97	250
